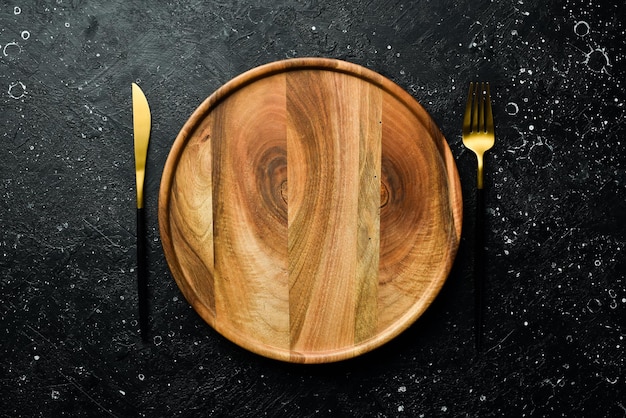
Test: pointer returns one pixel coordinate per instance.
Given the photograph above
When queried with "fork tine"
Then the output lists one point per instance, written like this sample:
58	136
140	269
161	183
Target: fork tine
467	118
488	112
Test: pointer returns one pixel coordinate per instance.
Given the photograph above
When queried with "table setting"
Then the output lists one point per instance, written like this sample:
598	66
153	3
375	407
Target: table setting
368	209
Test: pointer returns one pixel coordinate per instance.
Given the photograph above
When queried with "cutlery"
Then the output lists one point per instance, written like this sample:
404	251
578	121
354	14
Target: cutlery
479	136
141	133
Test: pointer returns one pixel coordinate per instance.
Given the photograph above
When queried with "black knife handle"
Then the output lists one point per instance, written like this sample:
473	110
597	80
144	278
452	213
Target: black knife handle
479	266
142	274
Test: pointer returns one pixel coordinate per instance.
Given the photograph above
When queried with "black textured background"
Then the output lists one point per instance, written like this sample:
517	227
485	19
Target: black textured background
556	184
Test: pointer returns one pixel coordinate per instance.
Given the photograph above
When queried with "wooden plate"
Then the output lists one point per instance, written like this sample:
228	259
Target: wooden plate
310	210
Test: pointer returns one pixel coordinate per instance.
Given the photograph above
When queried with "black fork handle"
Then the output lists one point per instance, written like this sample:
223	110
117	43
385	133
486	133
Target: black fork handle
479	267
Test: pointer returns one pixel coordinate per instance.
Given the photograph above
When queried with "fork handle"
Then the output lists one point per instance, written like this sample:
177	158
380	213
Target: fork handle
479	266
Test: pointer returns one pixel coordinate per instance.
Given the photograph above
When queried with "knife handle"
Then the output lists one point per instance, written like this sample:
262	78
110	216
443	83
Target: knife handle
142	274
479	267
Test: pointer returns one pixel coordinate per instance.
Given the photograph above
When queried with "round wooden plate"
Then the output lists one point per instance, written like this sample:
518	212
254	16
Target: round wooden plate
310	210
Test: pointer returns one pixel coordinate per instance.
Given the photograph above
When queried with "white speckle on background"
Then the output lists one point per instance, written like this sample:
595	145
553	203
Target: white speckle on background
582	28
17	90
512	108
594	305
7	48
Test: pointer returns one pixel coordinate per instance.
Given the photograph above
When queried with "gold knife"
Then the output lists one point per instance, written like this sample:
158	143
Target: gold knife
141	133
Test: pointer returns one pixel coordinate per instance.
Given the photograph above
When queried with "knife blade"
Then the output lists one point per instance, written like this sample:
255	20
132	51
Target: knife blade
141	134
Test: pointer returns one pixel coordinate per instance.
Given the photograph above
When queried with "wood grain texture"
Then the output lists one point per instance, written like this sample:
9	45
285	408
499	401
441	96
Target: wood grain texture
310	210
334	201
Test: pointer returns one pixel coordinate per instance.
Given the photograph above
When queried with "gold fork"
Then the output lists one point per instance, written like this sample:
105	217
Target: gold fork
479	136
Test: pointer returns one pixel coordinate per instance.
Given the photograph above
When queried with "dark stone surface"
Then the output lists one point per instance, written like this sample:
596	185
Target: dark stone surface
556	182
